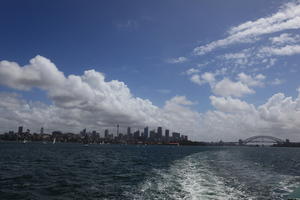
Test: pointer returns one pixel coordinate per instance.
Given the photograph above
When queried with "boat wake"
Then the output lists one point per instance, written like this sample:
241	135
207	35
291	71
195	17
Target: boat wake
214	175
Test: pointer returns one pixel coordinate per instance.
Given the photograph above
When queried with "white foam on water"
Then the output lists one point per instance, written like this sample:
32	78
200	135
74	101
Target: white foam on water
188	178
218	175
287	185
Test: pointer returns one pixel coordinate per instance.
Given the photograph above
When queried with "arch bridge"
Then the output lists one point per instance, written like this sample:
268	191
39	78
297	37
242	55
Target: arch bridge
262	139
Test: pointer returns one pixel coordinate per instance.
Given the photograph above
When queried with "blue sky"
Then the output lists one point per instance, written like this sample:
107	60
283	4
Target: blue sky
246	51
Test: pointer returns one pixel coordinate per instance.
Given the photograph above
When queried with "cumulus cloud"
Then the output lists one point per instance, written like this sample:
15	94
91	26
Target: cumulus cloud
231	105
40	72
281	112
206	77
84	101
192	71
251	81
226	88
287	18
89	101
279	116
177	60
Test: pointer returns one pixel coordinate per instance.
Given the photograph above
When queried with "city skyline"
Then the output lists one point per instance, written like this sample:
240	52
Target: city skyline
208	69
153	137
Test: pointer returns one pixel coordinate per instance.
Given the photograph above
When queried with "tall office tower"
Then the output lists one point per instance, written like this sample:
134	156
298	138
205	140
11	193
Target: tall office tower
118	129
146	132
128	131
159	132
20	130
152	134
42	131
136	134
167	133
106	133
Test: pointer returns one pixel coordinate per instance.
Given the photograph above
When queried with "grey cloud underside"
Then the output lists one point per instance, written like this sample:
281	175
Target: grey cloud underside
89	101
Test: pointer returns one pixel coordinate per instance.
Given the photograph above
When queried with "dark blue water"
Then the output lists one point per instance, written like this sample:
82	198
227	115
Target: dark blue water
74	171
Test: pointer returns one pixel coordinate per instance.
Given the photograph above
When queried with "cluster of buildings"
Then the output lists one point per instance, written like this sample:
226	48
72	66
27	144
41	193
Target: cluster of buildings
146	136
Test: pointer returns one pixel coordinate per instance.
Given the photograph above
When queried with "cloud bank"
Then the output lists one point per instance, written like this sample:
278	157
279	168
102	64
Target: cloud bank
89	101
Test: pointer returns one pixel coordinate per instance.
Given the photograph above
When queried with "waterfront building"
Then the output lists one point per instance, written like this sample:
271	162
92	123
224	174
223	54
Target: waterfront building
146	132
128	131
167	133
20	130
159	132
136	134
152	134
106	133
176	136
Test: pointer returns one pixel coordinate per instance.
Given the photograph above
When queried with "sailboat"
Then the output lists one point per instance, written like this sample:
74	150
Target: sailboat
54	141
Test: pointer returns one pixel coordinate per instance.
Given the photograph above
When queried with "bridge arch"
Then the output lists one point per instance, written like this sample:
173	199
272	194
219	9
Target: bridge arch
258	138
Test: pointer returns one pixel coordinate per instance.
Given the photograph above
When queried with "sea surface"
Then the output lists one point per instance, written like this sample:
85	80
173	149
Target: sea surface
74	171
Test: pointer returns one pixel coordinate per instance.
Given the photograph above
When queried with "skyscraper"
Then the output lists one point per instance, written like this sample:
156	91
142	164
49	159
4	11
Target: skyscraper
106	133
159	132
128	131
176	136
136	134
152	134
167	133
146	132
20	130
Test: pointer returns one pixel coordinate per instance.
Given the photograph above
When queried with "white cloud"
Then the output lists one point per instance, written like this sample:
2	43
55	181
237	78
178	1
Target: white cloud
192	71
279	117
285	38
177	60
206	77
287	18
229	104
40	72
287	50
89	101
83	101
226	88
251	81
281	112
240	55
196	78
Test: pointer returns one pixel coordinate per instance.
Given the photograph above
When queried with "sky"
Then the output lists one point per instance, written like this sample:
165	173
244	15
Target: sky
210	69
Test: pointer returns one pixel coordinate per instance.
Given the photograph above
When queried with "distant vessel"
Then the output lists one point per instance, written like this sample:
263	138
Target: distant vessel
54	141
24	141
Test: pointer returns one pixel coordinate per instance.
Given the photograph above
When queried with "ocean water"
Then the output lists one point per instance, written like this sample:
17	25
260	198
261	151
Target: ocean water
74	171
